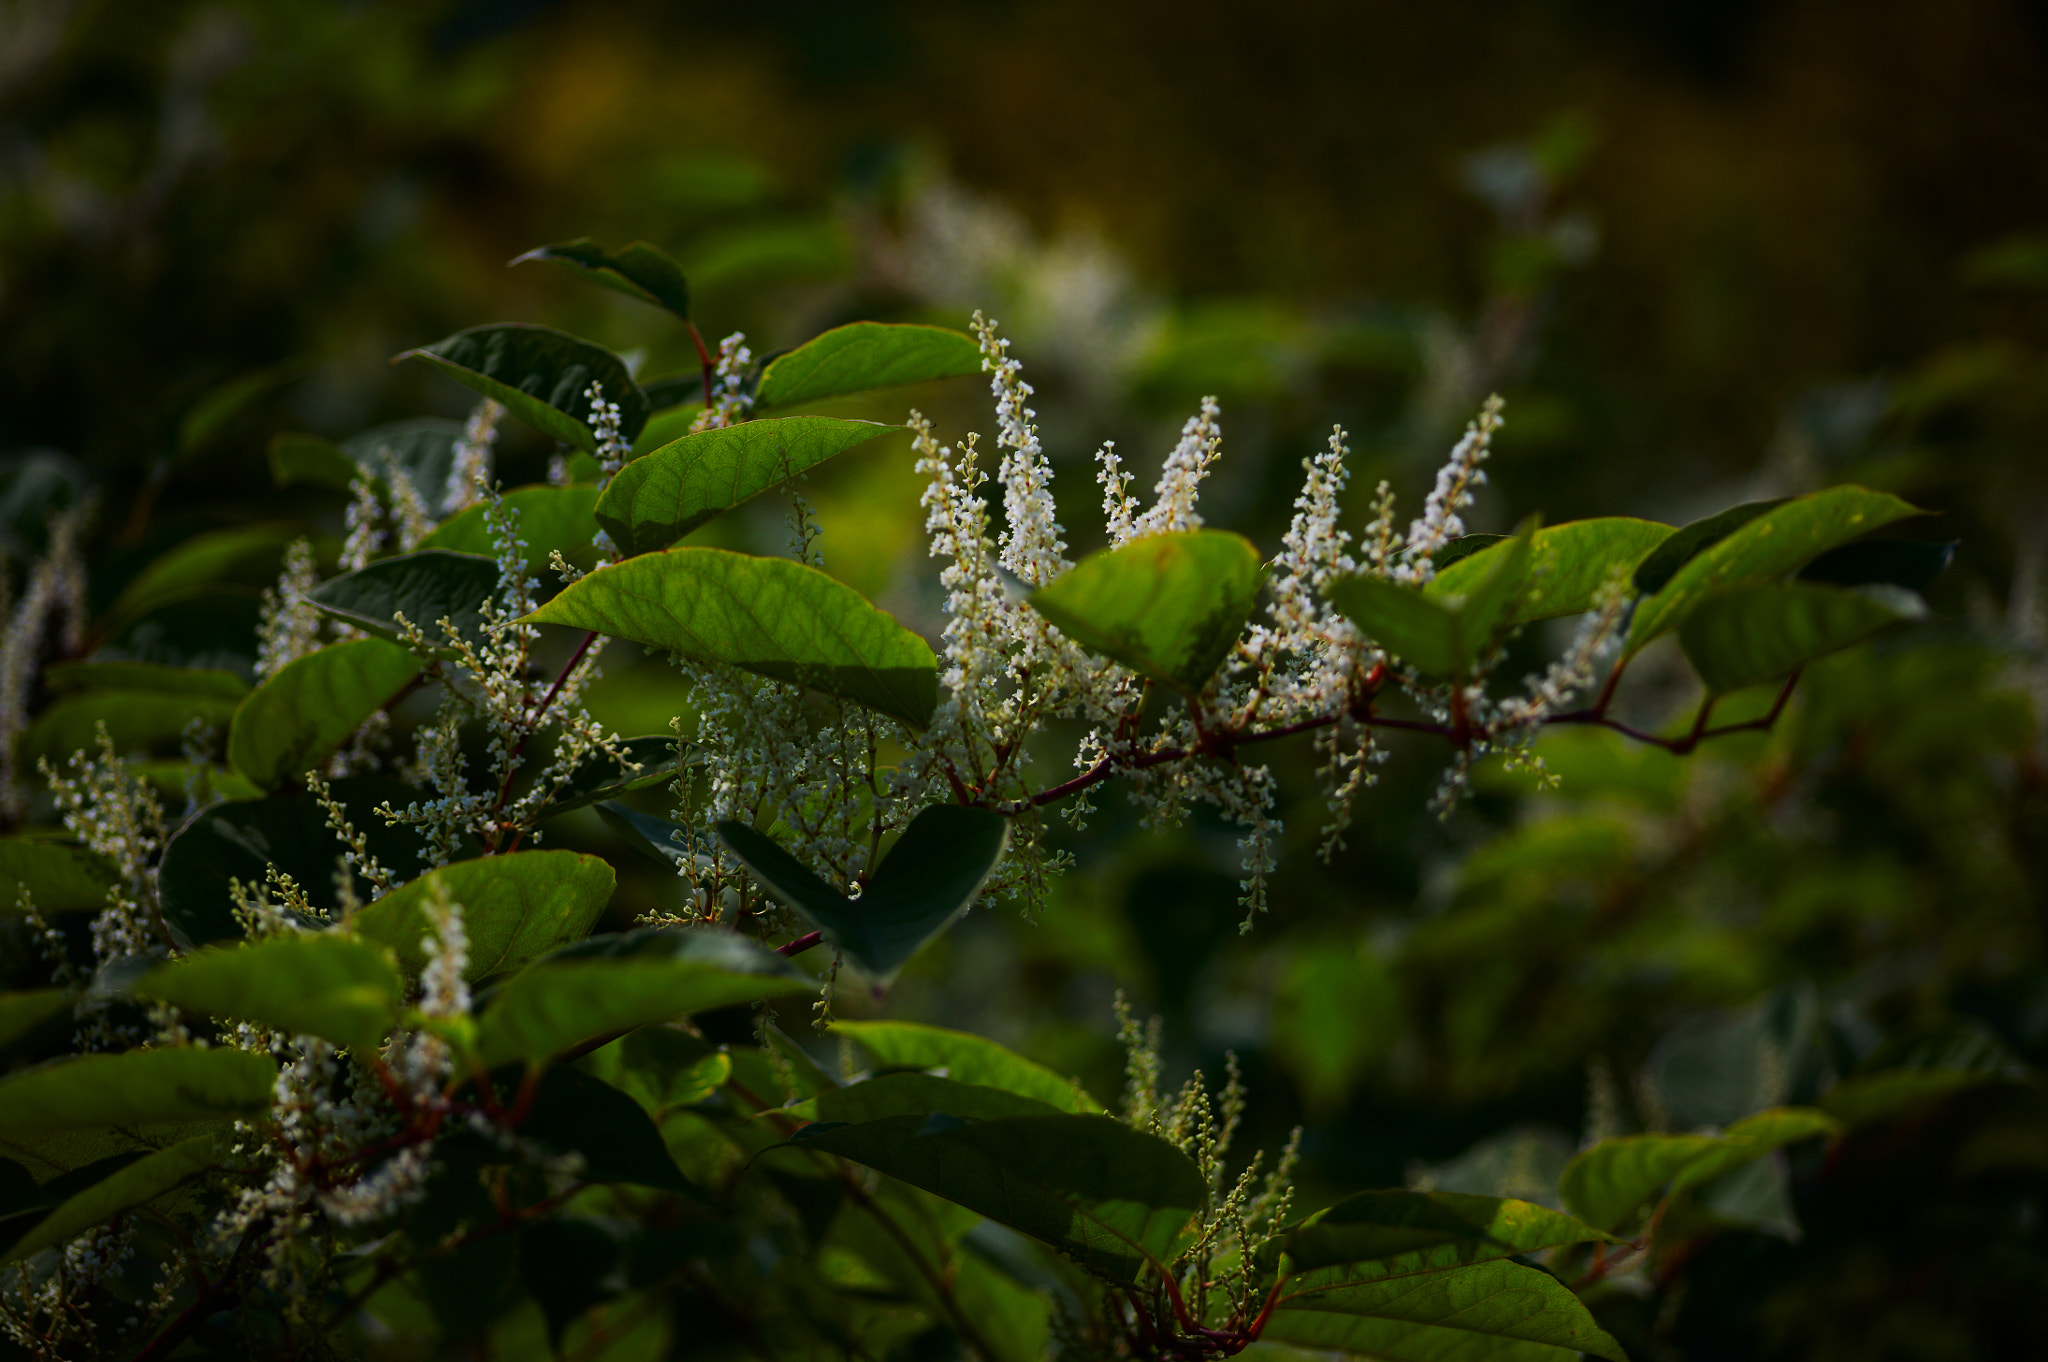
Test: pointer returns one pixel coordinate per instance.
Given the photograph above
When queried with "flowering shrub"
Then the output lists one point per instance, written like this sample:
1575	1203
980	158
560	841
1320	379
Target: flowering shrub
345	1067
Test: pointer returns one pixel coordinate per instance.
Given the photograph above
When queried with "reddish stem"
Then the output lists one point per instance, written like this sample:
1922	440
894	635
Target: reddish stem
801	944
703	358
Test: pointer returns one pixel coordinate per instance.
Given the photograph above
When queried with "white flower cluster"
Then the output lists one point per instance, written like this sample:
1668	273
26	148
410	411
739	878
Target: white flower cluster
730	400
613	449
55	592
470	469
289	626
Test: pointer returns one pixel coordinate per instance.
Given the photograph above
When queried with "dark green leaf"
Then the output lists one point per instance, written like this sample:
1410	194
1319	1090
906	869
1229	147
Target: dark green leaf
1377	1225
601	777
1463	547
239	841
218	406
864	355
1568	565
770	616
298	457
928	879
515	908
550	520
657	837
215	632
577	1114
135	720
1170	606
24	1013
425	588
671	391
657	499
134	1088
299	717
1753	1137
637	269
422	449
1605	1184
139	1182
965	1058
1746	635
1768	545
541	375
1885	562
200	561
1441	633
568	1265
70	677
60	877
323	984
1499	1311
1688	541
660	1067
556	1003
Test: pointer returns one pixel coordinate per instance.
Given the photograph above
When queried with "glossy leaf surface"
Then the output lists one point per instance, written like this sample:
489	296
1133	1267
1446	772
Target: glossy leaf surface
637	269
769	616
1747	635
1499	1311
965	1058
515	908
1690	540
864	355
297	718
324	984
426	588
541	375
137	1184
1568	565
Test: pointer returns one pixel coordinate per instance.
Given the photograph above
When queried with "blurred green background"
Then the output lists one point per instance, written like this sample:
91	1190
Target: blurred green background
1708	252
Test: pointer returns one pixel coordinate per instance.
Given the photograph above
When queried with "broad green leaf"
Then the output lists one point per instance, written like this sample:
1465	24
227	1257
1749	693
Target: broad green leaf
173	780
770	616
1746	635
601	777
550	519
295	720
965	1058
1170	606
216	408
541	375
59	877
575	1113
1753	1137
1440	633
1768	545
1867	1098
1114	1199
637	269
1388	1224
1884	562
23	1012
1499	1311
1688	541
322	984
239	841
657	499
1463	547
138	1183
296	456
425	588
665	395
1606	1183
422	450
660	1067
134	1088
929	878
69	677
199	561
666	426
135	720
514	907
863	355
1568	565
215	631
656	837
554	1004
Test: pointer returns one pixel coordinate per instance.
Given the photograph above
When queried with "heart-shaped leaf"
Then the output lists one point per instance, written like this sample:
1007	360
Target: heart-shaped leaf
864	355
929	878
541	375
296	719
637	269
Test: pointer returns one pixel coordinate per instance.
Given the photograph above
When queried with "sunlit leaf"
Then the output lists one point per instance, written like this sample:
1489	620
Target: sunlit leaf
637	269
1753	1137
1441	633
541	375
426	588
965	1058
770	616
1388	1224
863	355
1688	541
296	719
657	499
343	990
515	908
1568	565
929	878
1500	1311
1170	606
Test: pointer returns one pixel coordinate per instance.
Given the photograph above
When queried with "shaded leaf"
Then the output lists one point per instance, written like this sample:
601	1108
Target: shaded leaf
1388	1224
1746	635
214	632
659	838
1885	562
135	720
657	499
541	375
1500	1311
1607	1182
1753	1137
568	1265
550	519
515	908
1688	541
134	1088
426	588
965	1058
25	1012
864	355
1568	565
637	269
323	984
577	1114
1170	606
1440	633
299	717
602	777
928	879
69	677
200	561
660	1067
770	616
139	1182
422	450
59	876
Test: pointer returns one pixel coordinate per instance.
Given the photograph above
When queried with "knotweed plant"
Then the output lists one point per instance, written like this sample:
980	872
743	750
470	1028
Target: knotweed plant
342	1059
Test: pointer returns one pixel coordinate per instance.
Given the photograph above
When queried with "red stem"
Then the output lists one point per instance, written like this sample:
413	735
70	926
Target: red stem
704	359
801	944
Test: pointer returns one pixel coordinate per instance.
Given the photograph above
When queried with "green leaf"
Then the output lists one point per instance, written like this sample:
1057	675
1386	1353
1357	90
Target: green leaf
134	1088
1688	541
1170	606
296	456
216	631
656	500
577	1114
1768	545
239	841
1746	635
1606	1183
422	449
660	1067
863	355
135	720
1114	1199
1463	547
554	1004
25	1012
60	877
515	907
1441	633
770	616
1753	1137
541	375
217	408
550	519
1568	565
601	777
296	720
425	588
1886	562
965	1058
199	561
929	878
667	425
659	838
138	1183
71	677
322	984
1499	1311
637	269
1388	1224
